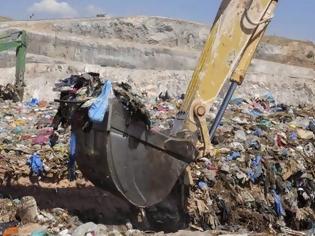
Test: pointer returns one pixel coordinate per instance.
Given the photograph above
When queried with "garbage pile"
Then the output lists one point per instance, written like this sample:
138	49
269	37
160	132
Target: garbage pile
261	177
25	150
32	220
57	221
88	93
9	92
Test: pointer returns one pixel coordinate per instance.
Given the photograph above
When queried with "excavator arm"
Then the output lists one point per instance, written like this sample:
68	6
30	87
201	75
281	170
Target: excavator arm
16	41
232	42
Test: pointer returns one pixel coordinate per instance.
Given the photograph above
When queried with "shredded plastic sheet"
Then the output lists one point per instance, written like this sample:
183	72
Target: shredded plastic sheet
100	105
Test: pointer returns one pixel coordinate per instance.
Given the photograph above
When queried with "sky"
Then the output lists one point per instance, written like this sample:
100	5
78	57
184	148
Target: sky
293	19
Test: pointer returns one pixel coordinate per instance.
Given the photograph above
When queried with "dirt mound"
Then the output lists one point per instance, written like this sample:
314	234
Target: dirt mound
4	18
287	51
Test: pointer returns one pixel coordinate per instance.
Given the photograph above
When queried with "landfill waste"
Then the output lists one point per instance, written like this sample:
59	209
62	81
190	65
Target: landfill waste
87	92
10	231
260	178
9	92
267	180
27	210
24	143
53	222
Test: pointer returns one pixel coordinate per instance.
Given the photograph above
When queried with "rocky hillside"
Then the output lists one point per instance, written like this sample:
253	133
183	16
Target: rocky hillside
154	53
3	18
287	51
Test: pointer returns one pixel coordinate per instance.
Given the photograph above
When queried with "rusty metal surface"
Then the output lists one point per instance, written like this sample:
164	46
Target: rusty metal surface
130	158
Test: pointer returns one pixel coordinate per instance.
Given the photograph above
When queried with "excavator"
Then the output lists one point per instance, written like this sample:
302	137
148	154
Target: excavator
16	40
148	168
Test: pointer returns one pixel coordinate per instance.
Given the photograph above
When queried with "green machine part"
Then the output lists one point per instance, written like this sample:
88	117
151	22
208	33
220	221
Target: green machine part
17	40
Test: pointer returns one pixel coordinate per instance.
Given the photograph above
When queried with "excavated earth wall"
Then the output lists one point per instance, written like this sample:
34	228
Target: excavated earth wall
155	53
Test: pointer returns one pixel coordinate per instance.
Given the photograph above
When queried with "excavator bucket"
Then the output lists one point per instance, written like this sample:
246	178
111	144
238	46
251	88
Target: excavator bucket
122	154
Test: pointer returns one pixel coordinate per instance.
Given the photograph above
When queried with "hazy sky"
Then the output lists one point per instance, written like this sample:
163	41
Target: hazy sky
294	18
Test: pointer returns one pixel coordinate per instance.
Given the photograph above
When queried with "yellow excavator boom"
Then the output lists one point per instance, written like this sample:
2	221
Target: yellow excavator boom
227	54
232	42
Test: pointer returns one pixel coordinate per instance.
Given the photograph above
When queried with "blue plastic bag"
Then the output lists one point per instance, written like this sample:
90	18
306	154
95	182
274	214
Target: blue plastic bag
256	169
33	103
255	145
73	142
278	204
311	126
202	185
258	132
233	156
255	113
36	164
99	107
293	136
71	164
